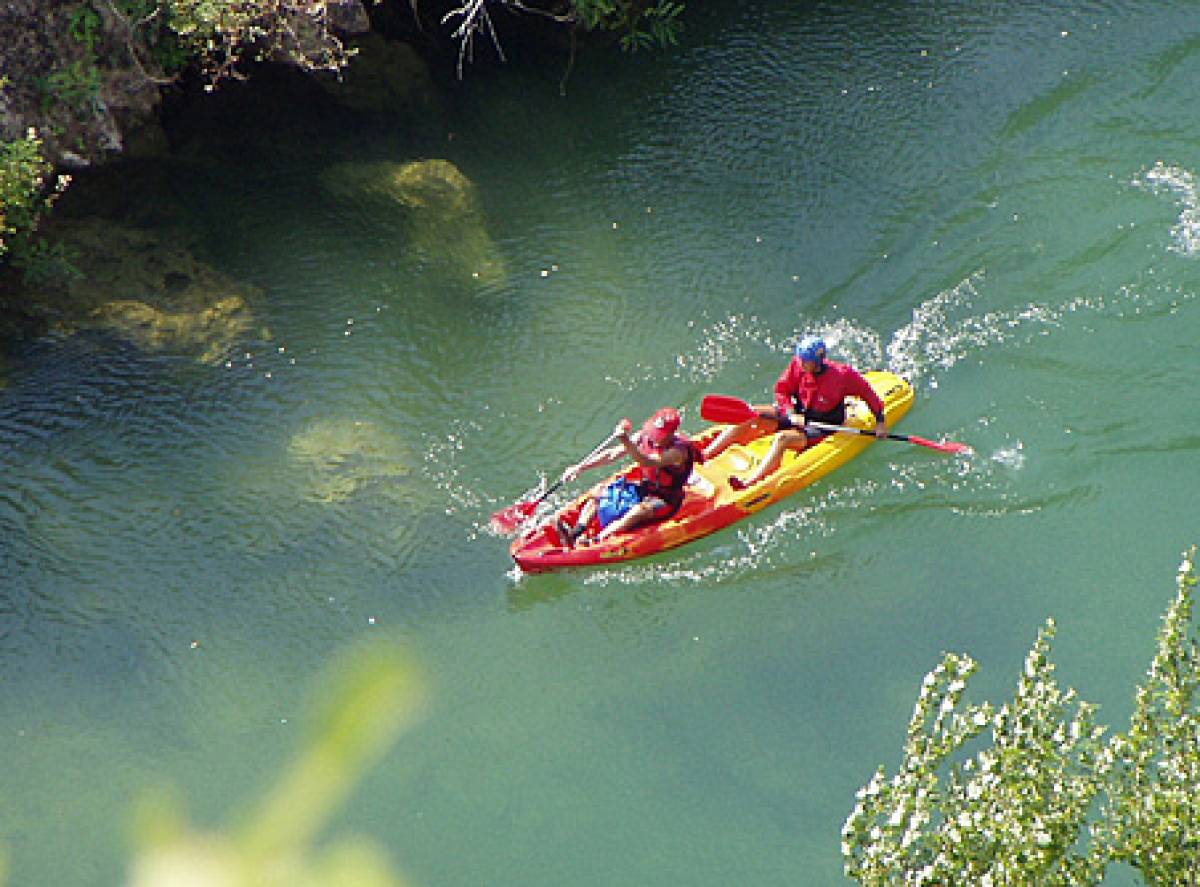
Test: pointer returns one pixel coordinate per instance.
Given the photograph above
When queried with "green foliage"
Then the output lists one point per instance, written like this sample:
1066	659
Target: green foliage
367	702
43	261
217	34
1152	814
1015	812
24	182
148	22
167	35
76	85
84	25
76	82
1009	815
641	25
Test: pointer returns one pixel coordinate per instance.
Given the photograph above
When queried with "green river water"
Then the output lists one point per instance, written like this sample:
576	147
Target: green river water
998	201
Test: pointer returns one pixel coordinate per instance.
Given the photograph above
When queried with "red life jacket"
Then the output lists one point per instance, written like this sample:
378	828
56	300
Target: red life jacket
667	481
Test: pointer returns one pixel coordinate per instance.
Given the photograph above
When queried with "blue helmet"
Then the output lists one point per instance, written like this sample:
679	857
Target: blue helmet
811	348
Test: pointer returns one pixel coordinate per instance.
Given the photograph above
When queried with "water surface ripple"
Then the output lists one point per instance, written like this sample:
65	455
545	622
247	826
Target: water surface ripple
998	201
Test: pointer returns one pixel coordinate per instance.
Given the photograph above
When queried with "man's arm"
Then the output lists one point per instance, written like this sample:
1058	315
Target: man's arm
860	387
785	390
604	457
672	456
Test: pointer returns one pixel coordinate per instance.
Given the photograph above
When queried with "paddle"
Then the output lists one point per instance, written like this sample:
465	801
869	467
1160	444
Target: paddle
506	520
733	410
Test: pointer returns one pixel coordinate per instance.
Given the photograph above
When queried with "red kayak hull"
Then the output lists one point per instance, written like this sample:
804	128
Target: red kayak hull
710	503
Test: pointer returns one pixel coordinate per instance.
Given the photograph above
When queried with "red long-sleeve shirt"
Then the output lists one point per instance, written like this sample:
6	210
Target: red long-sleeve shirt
822	395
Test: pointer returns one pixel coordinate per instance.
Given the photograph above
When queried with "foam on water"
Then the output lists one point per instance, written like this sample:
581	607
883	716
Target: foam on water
737	338
948	329
442	454
1181	184
718	344
1010	456
944	332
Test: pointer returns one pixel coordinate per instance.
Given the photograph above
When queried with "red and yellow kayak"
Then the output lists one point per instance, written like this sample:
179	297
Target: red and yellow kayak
710	503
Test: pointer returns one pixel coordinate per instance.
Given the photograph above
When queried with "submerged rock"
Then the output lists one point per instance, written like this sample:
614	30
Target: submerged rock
150	291
210	333
339	458
434	186
444	219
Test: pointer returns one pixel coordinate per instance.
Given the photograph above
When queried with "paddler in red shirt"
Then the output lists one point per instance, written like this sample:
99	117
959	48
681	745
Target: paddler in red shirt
812	388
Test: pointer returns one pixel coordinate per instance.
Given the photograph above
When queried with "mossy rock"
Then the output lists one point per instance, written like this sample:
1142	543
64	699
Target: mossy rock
340	458
441	206
152	292
211	333
434	186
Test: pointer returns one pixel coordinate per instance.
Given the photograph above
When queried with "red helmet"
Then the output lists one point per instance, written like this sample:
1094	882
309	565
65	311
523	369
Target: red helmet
662	426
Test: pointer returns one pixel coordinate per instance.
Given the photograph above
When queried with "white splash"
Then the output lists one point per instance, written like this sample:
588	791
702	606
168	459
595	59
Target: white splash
1180	182
1011	456
848	341
718	344
943	331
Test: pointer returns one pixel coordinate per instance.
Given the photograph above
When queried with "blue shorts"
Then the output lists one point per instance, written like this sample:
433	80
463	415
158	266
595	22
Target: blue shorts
617	499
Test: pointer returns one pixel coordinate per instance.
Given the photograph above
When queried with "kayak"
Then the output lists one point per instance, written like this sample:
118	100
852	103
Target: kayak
710	503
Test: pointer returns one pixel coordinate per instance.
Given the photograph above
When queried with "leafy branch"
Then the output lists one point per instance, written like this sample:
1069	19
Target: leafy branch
1024	809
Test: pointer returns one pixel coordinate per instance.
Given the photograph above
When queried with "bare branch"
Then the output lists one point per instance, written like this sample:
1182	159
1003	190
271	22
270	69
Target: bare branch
131	44
567	18
474	18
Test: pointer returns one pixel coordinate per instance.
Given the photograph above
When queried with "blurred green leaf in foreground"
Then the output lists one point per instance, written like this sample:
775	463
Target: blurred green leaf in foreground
361	706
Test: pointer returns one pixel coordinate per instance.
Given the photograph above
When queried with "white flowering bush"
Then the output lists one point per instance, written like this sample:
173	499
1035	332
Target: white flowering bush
24	174
1007	815
1016	812
1151	815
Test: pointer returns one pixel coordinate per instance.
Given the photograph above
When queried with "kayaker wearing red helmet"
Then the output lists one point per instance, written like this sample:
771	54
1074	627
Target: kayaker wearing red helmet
811	388
665	458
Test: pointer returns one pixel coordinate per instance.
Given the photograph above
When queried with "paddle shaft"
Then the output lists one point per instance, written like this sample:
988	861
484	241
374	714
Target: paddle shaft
723	408
508	519
821	426
727	409
558	483
824	426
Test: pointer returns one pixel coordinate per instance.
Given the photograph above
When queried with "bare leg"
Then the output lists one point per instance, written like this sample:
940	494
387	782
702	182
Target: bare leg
569	534
784	441
587	512
634	517
748	430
